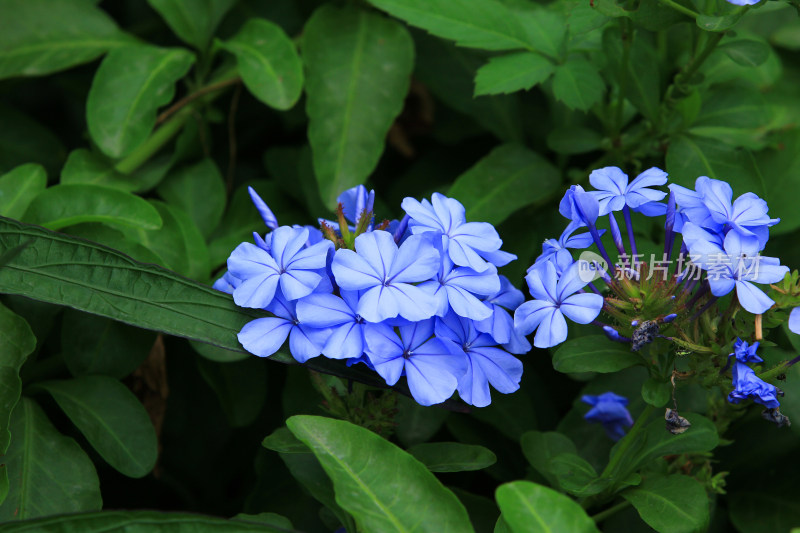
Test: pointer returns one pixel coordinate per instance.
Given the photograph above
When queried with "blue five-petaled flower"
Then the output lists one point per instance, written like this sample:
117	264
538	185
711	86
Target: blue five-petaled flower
610	410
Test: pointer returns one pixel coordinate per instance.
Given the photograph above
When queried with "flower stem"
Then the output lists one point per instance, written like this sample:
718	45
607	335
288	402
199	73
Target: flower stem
626	211
627	441
602	515
681	9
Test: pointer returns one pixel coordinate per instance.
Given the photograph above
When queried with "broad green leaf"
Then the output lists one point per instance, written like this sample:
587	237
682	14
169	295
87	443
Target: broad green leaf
65	270
577	84
737	117
268	63
509	178
102	234
194	21
215	353
92	344
719	23
512	72
144	522
452	456
754	511
656	392
782	167
241	387
540	447
671	504
593	353
359	462
200	191
48	473
747	52
530	508
415	423
38	37
85	167
485	24
111	418
546	29
483	512
24	140
19	187
283	441
575	475
358	67
130	85
574	140
66	205
179	243
639	76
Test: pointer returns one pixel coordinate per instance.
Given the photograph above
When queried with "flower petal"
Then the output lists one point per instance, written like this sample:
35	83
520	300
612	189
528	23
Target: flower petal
264	336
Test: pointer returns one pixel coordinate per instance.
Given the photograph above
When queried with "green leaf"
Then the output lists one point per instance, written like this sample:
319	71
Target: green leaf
575	475
573	140
215	353
485	24
48	473
593	353
540	447
95	345
65	205
754	511
240	387
359	462
512	72
671	504
102	234
737	117
87	168
656	392
200	191
415	423
719	23
509	178
452	456
546	29
268	63
283	441
24	140
111	418
747	52
782	165
130	85
38	37
577	84
358	67
530	508
145	521
19	187
640	75
194	21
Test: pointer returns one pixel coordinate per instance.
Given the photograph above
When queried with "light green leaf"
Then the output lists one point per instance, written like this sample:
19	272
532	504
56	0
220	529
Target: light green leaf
95	345
485	24
656	392
452	456
200	191
87	168
38	37
145	522
66	205
577	84
719	23
268	63
19	187
359	462
747	52
509	178
575	475
545	29
358	67
530	508
48	473
130	85
512	72
239	386
283	441
194	21
111	418
671	504
593	353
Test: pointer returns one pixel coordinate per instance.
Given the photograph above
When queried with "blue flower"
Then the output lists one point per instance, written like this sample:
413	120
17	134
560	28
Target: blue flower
581	207
269	218
614	192
743	2
355	201
553	299
326	311
288	262
747	385
746	353
794	320
456	288
385	273
486	364
609	410
264	336
431	370
467	243
499	324
557	249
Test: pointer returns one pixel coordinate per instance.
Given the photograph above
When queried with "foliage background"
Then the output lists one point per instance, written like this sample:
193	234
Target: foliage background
500	103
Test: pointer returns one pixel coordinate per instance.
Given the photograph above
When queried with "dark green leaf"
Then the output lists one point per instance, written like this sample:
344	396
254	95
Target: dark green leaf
639	76
577	84
573	140
483	512
88	168
782	166
530	508
546	29
270	519
19	187
509	178
102	234
656	392
359	462
510	414
485	24
23	140
358	66
512	72
719	23
130	85
575	475
145	522
452	456
283	441
48	473
200	191
747	52
759	511
66	205
240	387
111	419
540	447
593	353
738	117
95	345
42	36
194	21
671	504
415	423
215	353
268	63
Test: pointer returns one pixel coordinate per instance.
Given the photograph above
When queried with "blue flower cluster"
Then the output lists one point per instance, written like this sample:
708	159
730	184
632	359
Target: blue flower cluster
610	410
419	297
745	382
